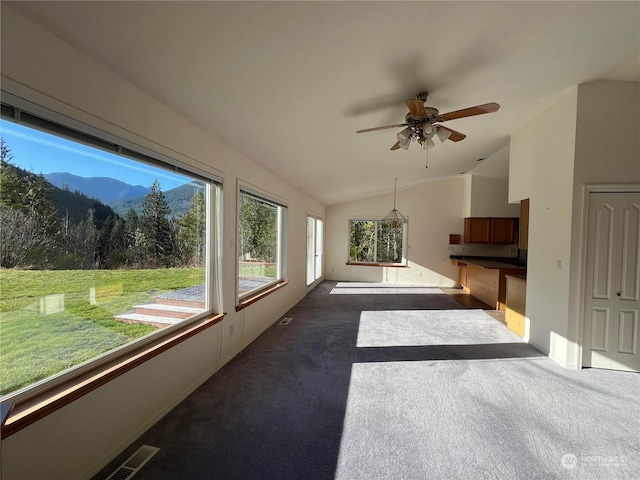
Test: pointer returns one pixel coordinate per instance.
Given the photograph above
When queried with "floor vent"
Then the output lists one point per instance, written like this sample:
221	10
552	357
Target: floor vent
135	462
285	321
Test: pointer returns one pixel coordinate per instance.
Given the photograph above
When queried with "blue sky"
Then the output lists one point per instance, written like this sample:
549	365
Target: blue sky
43	153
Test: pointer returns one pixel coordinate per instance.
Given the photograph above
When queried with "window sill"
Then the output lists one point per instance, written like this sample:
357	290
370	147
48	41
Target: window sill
390	265
245	302
38	407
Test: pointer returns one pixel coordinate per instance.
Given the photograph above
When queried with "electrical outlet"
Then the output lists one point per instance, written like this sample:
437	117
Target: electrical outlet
232	328
559	264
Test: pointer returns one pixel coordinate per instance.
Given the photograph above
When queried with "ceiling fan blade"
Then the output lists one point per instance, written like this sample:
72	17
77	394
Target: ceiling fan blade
416	107
397	125
455	136
470	112
395	146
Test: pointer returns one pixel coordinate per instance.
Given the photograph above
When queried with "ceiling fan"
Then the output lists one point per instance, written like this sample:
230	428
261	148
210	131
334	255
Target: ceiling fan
421	123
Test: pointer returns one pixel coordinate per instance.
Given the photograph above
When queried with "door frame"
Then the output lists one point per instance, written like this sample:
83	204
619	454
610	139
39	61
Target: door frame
587	190
318	280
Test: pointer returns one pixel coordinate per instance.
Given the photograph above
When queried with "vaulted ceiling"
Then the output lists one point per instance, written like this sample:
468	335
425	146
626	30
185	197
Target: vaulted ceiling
289	83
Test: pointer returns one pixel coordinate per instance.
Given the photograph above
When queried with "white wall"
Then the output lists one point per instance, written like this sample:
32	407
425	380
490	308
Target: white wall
434	210
495	166
590	136
541	168
607	153
489	198
79	439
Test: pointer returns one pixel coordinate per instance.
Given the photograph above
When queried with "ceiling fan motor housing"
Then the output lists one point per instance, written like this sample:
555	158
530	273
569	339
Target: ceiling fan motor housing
432	115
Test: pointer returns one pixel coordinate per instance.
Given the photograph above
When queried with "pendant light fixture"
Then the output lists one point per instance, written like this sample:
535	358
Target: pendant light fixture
394	219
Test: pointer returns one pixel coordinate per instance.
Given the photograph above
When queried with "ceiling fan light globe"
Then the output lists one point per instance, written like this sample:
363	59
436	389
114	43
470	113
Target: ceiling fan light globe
429	130
443	134
404	134
404	138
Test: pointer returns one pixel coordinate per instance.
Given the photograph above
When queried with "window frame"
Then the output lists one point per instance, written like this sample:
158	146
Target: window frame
35	401
405	243
243	300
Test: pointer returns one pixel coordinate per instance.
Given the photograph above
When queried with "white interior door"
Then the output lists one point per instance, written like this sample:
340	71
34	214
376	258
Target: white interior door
612	287
315	235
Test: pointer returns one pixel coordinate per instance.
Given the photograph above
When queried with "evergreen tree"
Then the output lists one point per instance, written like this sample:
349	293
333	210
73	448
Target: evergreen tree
156	228
134	239
192	230
31	195
131	220
87	237
104	246
37	199
9	180
118	242
258	228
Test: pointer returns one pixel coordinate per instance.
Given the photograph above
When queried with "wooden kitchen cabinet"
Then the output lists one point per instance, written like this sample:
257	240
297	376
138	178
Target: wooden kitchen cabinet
490	230
477	230
503	230
515	303
523	239
484	284
463	277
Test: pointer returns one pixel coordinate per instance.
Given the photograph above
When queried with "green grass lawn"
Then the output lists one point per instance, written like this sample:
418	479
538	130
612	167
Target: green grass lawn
257	269
51	320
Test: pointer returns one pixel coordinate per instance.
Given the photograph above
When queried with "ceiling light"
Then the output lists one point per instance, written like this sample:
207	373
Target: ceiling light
404	138
394	219
429	130
443	134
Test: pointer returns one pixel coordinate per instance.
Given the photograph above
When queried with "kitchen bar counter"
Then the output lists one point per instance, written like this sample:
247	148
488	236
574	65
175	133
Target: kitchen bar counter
485	279
489	262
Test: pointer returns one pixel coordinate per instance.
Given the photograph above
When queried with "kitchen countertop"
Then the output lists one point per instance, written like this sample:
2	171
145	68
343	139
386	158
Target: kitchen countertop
521	277
488	263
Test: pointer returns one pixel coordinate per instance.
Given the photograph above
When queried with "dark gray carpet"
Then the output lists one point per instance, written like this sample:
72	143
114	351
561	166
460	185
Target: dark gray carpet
397	386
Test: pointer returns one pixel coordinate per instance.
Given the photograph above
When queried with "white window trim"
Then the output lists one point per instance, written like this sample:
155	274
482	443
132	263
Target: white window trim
214	183
283	213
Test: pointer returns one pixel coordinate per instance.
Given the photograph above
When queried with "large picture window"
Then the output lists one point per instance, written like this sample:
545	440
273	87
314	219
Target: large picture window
98	250
261	235
371	241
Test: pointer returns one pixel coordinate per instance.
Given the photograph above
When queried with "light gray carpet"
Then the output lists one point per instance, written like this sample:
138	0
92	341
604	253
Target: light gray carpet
397	386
